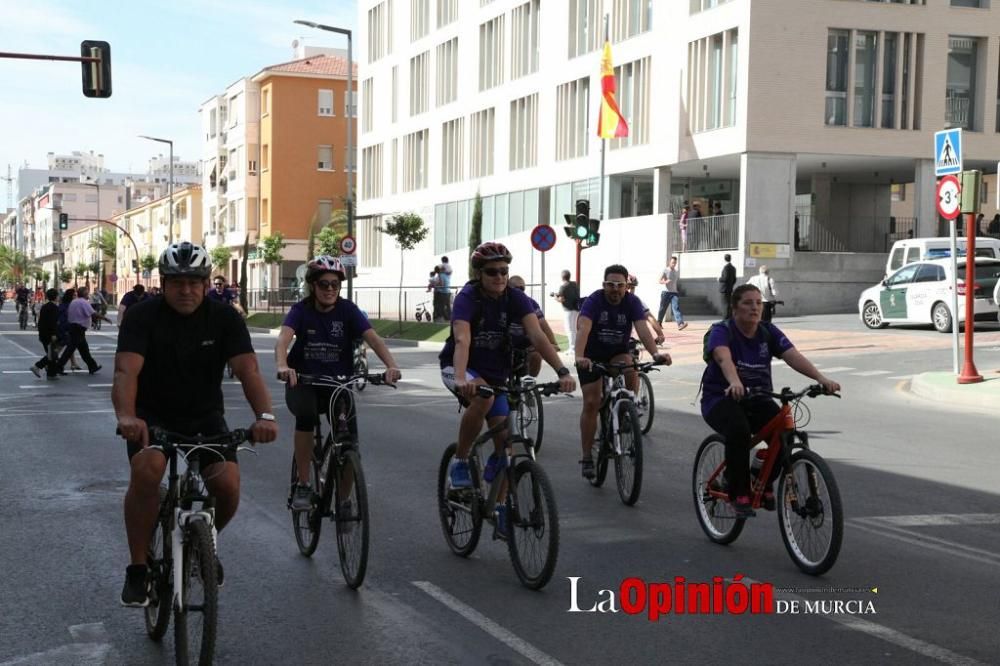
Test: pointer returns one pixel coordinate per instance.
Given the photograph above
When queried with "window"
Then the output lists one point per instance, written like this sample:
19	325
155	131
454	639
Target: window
702	5
585	30
865	46
212	120
265	161
419	83
234	110
325	103
265	101
889	48
712	96
970	3
960	93
836	77
371	172
69	196
420	19
481	126
395	166
415	161
447	12
929	273
524	39
491	53
380	31
447	73
368	102
630	18
632	82
324	160
572	118
452	156
252	168
524	132
369	243
395	91
265	211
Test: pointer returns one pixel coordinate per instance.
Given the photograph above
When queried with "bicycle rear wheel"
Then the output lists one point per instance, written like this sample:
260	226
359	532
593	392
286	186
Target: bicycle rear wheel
195	622
351	518
645	403
530	418
715	515
307	524
160	588
533	540
459	509
811	513
361	367
628	464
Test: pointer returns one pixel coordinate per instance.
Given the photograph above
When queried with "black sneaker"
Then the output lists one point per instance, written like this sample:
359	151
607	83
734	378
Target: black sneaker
135	594
587	469
769	503
95	369
36	371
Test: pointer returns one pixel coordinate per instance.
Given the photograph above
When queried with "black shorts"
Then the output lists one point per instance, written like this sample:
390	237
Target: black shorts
591	376
306	403
211	425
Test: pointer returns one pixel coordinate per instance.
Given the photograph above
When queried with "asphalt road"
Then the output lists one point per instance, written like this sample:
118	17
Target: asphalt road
918	482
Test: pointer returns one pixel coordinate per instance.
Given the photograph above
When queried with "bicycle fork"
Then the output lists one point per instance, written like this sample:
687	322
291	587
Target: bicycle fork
182	518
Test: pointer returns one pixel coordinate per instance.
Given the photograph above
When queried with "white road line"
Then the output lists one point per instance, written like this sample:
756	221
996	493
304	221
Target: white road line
836	369
35	386
26	351
99	385
870	373
84	654
937	519
401	381
519	645
89	633
15	372
900	377
925	541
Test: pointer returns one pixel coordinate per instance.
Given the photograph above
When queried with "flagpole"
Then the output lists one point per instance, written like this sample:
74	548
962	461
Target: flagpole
604	142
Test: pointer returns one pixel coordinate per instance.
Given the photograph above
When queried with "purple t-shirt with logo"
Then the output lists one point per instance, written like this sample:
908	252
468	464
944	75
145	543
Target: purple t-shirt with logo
324	341
488	354
752	357
611	325
518	337
225	296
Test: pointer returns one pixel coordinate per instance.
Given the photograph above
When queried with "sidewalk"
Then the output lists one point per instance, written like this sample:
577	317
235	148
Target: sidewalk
941	387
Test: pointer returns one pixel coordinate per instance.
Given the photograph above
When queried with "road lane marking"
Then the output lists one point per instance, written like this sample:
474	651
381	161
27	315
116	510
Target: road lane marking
869	373
89	633
937	519
35	386
838	368
25	350
915	538
84	654
15	372
519	645
901	377
100	385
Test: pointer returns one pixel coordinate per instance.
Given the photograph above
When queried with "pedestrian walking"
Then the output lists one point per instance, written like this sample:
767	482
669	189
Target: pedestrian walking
682	222
62	330
726	283
48	335
768	292
670	296
569	297
80	315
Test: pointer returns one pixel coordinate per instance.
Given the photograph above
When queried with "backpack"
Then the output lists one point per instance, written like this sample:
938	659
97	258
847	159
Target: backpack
769	338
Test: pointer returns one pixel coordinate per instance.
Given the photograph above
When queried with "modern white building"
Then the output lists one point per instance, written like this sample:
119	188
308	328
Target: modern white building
763	113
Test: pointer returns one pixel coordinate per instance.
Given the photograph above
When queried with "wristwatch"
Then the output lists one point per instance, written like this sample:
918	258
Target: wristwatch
266	417
562	372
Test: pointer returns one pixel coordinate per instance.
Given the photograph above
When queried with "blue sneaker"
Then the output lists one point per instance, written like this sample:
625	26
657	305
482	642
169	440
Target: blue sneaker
501	525
494	464
460	475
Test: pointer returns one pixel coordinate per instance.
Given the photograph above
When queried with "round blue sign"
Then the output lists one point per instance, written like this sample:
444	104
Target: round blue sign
543	238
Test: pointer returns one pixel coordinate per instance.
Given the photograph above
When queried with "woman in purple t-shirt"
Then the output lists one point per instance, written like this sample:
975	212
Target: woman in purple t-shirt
325	328
741	351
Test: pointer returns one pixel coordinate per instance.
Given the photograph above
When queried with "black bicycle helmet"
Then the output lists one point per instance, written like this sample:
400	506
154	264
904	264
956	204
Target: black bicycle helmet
185	259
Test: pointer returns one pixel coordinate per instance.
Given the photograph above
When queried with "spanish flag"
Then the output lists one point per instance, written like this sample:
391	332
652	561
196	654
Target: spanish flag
610	123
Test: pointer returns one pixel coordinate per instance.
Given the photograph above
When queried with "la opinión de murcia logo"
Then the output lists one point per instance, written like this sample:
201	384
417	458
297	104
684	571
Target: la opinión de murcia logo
636	596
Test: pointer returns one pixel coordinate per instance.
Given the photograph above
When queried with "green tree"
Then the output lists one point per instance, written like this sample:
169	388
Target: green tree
45	277
475	229
107	243
148	263
407	229
220	255
327	242
243	273
94	268
65	275
15	266
81	270
270	251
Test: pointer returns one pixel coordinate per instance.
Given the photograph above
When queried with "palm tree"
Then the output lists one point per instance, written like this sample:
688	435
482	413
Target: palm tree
107	243
15	265
81	269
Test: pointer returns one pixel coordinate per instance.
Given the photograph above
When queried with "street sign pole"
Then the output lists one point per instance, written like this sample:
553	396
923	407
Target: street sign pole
971	181
949	204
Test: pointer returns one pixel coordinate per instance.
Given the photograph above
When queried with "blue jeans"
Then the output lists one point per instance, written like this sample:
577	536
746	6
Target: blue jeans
673	300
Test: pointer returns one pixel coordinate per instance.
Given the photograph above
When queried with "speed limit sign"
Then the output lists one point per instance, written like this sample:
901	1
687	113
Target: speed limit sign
949	197
348	245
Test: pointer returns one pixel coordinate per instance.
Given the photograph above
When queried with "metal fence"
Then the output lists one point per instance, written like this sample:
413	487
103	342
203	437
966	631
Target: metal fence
715	232
859	233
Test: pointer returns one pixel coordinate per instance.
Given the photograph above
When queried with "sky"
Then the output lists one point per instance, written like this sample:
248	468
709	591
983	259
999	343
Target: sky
167	58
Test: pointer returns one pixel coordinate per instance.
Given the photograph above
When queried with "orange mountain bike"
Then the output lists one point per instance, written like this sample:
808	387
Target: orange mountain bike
810	512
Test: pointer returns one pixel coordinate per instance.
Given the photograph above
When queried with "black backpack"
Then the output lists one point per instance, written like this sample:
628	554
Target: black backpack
769	338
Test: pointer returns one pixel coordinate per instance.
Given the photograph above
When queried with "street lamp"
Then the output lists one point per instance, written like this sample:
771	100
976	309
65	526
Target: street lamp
350	137
170	233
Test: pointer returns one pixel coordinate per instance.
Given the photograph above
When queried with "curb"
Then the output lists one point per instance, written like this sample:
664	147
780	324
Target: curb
941	387
266	331
420	344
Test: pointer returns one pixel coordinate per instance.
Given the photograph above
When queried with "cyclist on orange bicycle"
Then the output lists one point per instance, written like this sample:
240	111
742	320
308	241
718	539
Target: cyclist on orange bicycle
740	351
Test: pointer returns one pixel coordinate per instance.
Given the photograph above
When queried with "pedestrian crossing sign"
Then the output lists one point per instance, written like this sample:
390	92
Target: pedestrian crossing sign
948	152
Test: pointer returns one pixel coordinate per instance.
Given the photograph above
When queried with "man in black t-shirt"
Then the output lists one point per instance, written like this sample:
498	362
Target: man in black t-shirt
168	372
137	295
569	296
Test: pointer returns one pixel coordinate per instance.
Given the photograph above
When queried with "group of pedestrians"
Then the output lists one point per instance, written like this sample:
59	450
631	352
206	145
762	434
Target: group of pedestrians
62	332
440	287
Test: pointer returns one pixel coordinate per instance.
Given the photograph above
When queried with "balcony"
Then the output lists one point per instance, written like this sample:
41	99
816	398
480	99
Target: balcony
956	112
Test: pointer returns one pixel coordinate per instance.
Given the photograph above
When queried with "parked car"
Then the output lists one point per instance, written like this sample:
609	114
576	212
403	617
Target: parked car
908	250
920	293
996	298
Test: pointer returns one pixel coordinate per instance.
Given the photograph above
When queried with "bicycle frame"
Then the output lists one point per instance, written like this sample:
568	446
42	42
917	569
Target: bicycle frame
182	516
615	392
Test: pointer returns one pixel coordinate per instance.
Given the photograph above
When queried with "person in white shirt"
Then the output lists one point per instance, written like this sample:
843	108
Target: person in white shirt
768	292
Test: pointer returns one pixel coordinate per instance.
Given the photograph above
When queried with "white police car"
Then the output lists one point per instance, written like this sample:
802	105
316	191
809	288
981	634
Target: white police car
919	293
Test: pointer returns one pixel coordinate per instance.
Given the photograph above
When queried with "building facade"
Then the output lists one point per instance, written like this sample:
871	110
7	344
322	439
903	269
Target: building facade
790	124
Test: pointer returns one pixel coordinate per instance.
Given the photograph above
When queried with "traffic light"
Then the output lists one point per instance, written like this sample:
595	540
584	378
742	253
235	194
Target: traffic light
63	221
593	238
96	75
582	222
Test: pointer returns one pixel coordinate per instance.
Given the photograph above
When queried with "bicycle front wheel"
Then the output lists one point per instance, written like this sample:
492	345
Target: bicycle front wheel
628	463
530	418
195	622
811	513
533	538
459	508
307	524
599	451
715	514
645	403
160	589
351	518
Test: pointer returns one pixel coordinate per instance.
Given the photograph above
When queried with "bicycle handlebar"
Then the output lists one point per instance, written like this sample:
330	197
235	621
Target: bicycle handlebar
330	381
787	395
612	367
168	440
488	391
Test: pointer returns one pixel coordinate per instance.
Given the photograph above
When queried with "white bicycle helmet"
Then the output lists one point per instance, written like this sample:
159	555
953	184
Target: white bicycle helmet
185	259
324	264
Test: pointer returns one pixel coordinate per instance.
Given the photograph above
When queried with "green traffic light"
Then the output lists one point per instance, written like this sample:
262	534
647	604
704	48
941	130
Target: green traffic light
582	231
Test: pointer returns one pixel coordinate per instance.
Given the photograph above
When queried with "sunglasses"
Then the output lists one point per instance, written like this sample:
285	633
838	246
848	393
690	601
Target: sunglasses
328	284
614	285
493	272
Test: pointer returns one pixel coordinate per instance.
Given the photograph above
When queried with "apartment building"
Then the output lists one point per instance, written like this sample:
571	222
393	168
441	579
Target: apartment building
791	123
78	253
